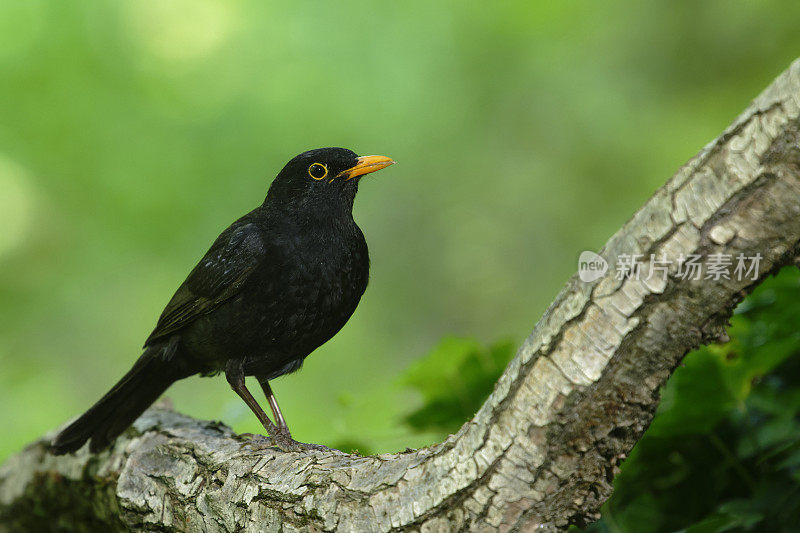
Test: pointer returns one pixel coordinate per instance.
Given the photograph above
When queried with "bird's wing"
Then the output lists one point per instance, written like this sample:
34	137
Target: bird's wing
217	277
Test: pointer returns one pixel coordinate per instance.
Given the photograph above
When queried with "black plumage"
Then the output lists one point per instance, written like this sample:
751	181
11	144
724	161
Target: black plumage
275	285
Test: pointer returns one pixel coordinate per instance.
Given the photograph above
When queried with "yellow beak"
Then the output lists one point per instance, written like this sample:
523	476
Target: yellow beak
366	164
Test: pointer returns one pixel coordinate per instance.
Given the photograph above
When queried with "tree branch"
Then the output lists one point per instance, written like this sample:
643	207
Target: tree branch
542	450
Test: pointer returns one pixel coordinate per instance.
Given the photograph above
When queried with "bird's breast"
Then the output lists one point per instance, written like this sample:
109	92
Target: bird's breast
314	289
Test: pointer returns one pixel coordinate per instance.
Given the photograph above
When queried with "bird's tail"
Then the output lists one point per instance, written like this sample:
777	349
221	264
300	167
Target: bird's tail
150	376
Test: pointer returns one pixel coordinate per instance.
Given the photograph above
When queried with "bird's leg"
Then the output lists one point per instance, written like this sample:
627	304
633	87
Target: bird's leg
235	375
280	421
273	404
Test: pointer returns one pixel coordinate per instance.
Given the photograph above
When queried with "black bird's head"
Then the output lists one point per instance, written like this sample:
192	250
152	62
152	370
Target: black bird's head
325	176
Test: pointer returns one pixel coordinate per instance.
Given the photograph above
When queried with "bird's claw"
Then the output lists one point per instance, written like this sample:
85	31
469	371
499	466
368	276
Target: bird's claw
281	440
253	439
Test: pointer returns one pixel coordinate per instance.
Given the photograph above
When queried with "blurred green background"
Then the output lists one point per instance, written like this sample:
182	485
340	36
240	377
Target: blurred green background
132	133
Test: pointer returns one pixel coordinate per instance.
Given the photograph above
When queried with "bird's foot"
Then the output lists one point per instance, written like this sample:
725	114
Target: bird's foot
256	442
282	441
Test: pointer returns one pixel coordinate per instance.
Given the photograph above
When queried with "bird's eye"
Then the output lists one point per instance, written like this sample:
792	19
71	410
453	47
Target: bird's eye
318	171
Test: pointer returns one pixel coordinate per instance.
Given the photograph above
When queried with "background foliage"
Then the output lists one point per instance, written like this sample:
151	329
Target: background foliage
133	132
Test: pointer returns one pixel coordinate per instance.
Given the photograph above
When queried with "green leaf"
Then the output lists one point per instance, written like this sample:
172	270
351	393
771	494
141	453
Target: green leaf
453	380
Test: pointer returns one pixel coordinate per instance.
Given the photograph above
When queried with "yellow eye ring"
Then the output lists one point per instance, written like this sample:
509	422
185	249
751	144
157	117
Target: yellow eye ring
318	171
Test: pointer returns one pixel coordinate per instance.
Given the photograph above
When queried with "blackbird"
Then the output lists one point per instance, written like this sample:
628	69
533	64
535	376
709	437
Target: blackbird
278	283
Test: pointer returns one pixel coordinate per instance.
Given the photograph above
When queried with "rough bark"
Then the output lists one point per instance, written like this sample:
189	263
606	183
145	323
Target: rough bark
543	449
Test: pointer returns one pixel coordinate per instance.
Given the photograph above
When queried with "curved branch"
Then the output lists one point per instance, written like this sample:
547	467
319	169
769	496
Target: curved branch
542	450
